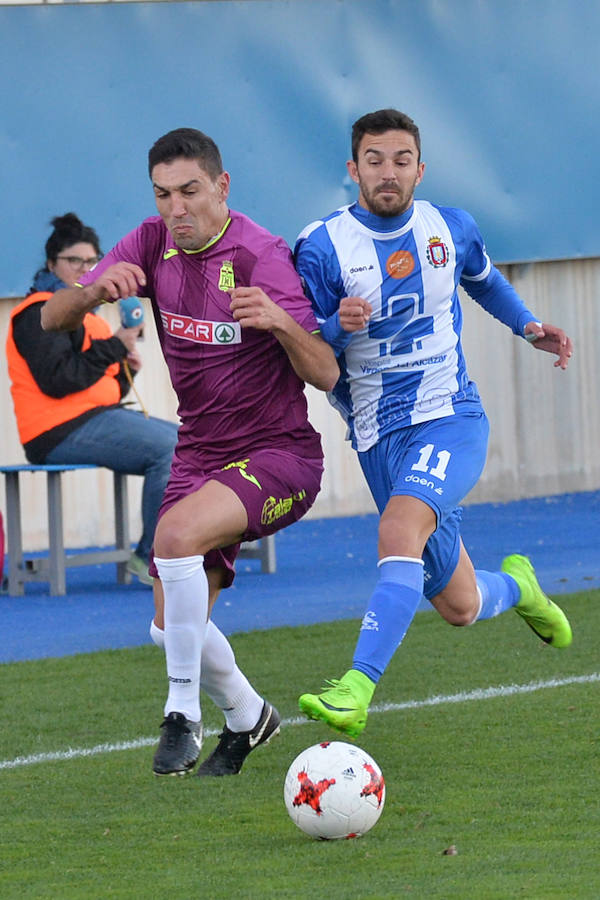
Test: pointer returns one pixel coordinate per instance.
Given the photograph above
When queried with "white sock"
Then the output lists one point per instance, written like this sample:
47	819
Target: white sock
157	635
479	608
186	611
226	684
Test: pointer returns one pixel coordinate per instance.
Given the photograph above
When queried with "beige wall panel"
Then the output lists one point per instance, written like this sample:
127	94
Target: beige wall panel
545	430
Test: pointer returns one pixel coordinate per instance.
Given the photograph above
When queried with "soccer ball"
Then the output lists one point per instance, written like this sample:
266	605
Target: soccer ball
334	790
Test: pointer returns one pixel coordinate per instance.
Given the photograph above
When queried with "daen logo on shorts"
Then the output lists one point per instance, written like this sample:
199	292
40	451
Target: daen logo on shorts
199	331
274	509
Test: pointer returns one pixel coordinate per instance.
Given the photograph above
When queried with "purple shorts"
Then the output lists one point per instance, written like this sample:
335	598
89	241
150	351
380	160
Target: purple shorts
277	488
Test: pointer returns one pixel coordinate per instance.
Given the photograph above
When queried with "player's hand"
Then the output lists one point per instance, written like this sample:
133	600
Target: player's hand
354	313
252	308
123	279
551	339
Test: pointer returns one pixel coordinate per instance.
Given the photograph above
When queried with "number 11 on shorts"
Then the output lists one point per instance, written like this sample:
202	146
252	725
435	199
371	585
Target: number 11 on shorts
422	464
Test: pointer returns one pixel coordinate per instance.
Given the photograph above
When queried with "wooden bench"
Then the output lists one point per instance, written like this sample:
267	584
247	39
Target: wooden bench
24	567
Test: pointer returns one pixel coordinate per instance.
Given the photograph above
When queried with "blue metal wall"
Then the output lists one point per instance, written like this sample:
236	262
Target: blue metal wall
505	93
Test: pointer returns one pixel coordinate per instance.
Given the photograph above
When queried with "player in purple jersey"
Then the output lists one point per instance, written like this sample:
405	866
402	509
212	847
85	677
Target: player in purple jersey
383	276
240	339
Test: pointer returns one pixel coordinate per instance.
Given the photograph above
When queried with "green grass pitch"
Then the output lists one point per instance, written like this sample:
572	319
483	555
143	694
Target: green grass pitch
509	778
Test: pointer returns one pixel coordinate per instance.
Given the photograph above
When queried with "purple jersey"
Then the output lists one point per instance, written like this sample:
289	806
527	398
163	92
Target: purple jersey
236	387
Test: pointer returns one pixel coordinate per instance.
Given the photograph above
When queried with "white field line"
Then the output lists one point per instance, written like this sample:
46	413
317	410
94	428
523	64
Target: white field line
488	693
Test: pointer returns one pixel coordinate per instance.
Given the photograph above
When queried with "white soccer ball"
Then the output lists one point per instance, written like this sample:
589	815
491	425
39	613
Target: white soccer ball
334	790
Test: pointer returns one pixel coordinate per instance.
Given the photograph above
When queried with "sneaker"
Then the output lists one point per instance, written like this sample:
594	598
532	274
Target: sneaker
541	614
234	746
179	746
343	704
136	566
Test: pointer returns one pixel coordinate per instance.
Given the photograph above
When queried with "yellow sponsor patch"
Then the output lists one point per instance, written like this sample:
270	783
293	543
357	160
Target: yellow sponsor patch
276	508
241	464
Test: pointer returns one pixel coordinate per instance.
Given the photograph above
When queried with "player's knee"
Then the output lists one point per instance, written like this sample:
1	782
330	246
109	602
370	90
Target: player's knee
399	541
173	542
459	615
460	618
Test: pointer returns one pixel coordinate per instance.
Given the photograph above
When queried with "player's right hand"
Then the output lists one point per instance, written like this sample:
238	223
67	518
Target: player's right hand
123	279
354	313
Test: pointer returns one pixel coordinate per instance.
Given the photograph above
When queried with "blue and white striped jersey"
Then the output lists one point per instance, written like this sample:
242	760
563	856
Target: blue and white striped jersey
407	365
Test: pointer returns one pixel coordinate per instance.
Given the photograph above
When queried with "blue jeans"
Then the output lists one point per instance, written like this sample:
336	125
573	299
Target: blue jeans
124	440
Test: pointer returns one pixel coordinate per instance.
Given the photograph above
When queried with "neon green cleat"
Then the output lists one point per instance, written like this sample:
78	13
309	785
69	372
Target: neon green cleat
343	704
136	566
541	614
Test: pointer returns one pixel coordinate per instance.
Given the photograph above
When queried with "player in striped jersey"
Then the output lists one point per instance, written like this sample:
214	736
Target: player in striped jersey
383	277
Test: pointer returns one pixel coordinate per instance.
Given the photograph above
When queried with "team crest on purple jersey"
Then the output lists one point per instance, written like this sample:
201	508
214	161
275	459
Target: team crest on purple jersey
226	276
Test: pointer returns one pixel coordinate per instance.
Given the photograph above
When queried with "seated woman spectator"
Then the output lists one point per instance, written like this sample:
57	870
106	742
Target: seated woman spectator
67	387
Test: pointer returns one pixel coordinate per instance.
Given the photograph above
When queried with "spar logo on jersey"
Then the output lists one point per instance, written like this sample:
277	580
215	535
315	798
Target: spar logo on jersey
225	333
201	332
437	252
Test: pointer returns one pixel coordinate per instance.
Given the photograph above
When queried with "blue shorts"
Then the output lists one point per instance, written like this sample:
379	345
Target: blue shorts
277	488
438	462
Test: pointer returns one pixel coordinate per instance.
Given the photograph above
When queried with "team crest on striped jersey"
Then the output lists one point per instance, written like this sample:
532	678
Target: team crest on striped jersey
437	252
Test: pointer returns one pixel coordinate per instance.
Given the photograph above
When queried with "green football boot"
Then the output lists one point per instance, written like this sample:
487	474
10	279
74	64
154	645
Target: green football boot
343	704
541	614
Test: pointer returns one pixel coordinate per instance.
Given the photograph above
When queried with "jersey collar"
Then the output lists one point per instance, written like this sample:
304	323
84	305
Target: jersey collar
213	240
381	224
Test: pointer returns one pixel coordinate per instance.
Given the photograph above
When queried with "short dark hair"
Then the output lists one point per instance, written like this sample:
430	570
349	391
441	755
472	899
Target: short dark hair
69	230
380	121
188	143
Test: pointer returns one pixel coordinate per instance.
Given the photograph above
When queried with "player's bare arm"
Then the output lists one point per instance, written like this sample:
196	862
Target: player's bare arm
551	339
354	313
313	360
65	310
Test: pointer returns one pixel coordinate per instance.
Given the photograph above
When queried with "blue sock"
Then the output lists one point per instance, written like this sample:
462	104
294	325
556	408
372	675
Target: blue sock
390	612
499	592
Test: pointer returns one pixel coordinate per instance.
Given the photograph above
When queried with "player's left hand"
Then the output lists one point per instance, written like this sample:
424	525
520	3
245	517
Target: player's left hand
252	308
552	339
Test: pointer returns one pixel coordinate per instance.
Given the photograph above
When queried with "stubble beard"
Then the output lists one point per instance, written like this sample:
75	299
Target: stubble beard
190	241
393	205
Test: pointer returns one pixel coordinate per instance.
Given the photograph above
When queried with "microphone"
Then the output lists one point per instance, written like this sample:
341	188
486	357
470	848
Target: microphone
131	313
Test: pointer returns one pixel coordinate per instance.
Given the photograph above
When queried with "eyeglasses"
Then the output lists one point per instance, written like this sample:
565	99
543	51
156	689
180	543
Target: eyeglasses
78	263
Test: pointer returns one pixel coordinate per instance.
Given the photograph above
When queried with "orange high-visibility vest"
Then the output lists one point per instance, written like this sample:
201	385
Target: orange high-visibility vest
35	411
